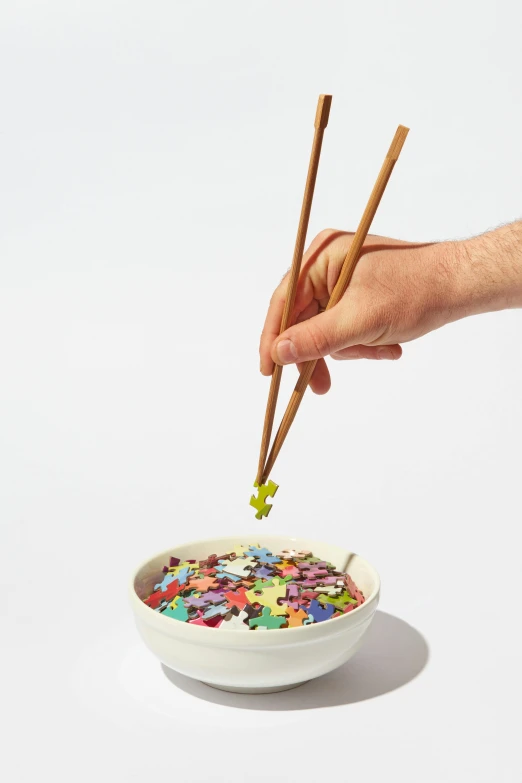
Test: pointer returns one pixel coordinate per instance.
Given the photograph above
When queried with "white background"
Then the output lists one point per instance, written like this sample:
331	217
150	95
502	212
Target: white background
153	162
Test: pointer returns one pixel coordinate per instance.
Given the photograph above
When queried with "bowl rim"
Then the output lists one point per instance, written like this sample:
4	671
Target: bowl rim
348	617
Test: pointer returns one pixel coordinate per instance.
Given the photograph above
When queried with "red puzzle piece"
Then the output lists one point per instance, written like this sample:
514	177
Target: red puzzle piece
156	598
237	598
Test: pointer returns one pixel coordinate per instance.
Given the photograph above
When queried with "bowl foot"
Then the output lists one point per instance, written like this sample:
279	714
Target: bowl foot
276	689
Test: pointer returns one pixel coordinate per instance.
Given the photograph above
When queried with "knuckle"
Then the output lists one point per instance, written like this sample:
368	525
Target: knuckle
325	234
319	339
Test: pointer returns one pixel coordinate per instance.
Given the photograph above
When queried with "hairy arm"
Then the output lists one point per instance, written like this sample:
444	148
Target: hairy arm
399	292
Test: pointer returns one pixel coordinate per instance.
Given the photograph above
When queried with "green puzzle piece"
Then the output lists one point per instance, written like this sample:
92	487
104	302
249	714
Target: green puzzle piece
273	581
177	610
264	491
314	560
339	601
267	620
281	580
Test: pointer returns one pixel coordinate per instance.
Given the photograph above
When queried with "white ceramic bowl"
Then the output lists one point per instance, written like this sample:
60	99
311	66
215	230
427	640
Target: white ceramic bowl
254	661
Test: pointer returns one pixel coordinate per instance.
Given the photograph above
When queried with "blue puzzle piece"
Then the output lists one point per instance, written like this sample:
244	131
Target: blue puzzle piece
320	613
264	555
184	574
167	579
218	609
220	571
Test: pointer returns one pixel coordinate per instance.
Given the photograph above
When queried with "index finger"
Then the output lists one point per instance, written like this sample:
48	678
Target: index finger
304	296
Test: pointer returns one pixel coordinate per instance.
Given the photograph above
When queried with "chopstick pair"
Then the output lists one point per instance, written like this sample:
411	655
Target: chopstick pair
265	465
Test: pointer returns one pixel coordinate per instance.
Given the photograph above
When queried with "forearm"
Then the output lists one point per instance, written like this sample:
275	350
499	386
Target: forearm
486	271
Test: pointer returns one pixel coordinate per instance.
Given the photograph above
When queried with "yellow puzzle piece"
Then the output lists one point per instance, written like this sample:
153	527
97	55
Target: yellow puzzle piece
269	596
264	491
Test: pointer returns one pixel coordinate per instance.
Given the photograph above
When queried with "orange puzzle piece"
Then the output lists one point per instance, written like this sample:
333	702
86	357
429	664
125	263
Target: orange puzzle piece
202	583
296	617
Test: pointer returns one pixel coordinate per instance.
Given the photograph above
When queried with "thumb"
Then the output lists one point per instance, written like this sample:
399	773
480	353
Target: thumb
319	336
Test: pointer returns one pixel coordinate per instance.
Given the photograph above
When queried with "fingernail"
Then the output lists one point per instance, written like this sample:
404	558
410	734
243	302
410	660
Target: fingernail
286	352
384	353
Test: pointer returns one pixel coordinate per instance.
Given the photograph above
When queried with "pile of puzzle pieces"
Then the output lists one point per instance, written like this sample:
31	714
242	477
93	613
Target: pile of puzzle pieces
252	589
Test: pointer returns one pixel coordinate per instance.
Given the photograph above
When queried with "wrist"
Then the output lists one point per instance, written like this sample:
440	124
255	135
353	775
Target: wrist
485	272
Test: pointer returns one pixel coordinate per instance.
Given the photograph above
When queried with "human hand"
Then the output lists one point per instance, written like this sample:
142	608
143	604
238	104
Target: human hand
398	291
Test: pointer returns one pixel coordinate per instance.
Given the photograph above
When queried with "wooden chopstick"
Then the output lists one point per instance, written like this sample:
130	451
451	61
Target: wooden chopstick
348	267
320	123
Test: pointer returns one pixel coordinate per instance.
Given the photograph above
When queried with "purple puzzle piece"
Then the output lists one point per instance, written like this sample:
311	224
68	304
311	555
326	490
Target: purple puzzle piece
309	578
264	572
174	561
314	574
212	597
315	580
191	600
291	598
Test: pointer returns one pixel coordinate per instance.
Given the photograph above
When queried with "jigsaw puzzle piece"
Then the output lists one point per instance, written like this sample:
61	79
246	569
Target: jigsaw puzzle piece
338	601
240	549
184	574
177	610
212	561
267	620
260	584
263	555
290	571
320	613
264	572
167	579
237	598
174	561
264	491
294	554
280	580
202	600
268	595
203	583
190	564
241	566
215	610
213	622
171	591
252	611
328	589
296	617
235	622
310	568
354	590
291	597
221	573
308	595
